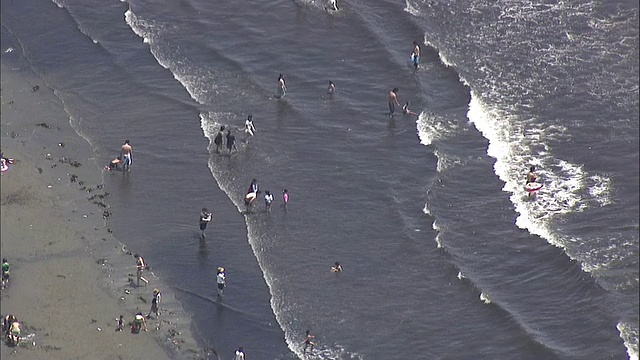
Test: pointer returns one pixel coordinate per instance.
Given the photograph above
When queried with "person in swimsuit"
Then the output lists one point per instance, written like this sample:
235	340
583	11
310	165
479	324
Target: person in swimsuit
139	323
336	268
531	176
205	218
249	128
415	55
393	101
113	165
332	88
285	198
407	111
126	154
308	342
282	88
140	267
219	138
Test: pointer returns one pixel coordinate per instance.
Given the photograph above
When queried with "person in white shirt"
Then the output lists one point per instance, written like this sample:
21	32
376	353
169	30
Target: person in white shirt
221	280
268	199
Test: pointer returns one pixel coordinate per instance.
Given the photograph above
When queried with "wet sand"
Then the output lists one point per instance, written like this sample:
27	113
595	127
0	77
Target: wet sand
70	278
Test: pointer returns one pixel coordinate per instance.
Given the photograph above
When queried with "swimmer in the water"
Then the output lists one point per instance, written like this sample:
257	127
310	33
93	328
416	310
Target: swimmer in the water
407	111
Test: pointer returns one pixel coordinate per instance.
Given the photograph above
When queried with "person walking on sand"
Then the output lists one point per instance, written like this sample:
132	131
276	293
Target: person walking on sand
5	272
393	101
231	142
415	55
126	154
308	342
140	267
205	218
219	139
155	303
282	88
239	354
221	281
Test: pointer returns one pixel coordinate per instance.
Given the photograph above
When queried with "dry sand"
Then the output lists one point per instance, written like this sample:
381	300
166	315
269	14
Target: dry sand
70	278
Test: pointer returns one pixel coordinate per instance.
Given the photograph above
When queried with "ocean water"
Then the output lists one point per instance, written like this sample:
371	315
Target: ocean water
444	255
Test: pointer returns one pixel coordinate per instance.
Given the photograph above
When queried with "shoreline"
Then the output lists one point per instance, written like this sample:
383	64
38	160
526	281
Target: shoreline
70	278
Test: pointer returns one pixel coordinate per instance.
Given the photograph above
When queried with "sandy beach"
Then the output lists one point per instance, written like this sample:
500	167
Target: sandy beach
70	278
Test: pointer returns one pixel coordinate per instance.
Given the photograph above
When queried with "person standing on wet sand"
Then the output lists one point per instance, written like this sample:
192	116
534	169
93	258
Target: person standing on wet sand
126	154
140	267
155	303
205	218
393	101
219	138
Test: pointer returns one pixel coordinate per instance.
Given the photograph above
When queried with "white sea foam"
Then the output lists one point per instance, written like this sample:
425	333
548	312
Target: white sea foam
485	298
629	334
567	187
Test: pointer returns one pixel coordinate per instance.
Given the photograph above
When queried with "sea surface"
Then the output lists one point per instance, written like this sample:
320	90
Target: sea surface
444	254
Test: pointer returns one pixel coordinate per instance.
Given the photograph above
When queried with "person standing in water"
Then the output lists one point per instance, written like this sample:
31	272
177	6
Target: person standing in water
219	139
531	176
268	199
239	354
221	280
231	142
126	154
308	342
415	55
205	218
282	88
393	101
285	198
336	268
249	128
331	89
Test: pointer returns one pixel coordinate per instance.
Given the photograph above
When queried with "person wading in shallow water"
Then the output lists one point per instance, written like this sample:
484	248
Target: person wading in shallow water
126	154
205	218
221	281
308	342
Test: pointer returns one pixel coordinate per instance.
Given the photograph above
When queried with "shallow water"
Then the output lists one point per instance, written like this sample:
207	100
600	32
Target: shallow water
424	214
